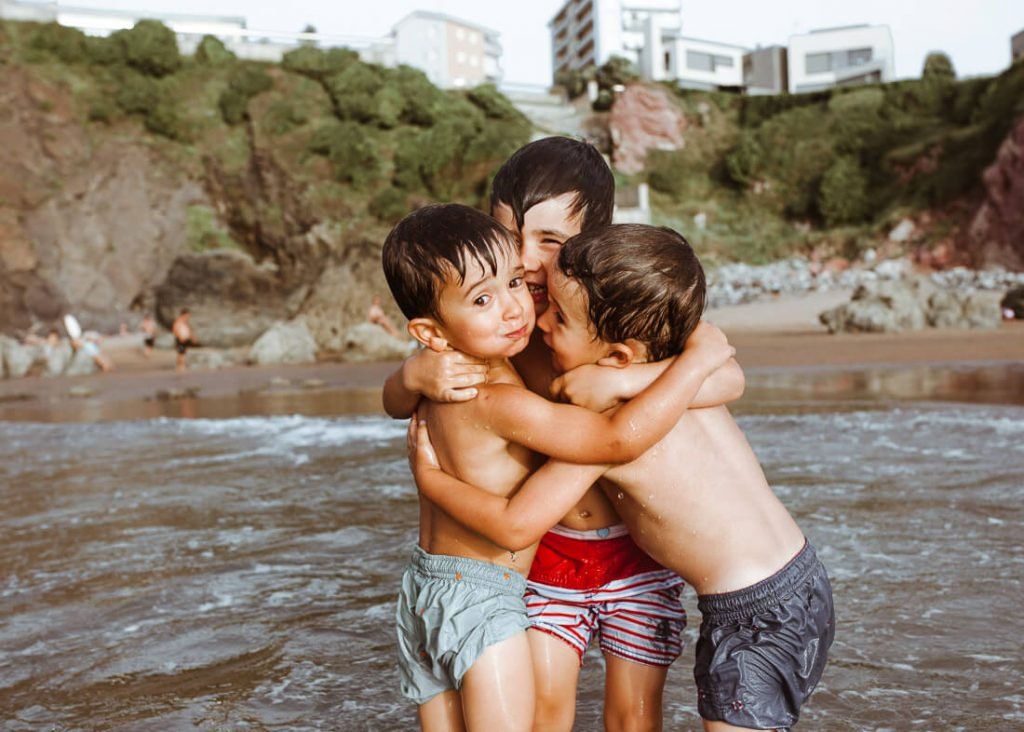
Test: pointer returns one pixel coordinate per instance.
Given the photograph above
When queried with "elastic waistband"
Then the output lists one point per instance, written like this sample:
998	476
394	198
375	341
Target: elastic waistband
607	532
474	571
763	596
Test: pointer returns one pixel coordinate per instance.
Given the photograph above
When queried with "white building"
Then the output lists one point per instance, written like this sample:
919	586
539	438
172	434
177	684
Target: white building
451	52
586	33
857	54
695	63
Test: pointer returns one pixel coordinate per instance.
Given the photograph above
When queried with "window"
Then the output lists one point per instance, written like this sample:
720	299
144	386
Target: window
858	56
700	61
818	63
668	61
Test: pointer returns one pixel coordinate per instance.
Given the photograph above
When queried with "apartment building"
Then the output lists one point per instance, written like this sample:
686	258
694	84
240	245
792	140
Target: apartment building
586	33
451	52
859	54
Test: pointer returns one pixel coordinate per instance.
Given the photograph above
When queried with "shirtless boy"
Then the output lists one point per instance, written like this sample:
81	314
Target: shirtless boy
589	577
463	653
698	501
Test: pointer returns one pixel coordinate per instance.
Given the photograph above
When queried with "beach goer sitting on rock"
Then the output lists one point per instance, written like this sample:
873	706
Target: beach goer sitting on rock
457	276
376	315
698	502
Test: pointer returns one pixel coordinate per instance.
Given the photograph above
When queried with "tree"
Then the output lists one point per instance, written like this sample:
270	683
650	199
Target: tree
938	67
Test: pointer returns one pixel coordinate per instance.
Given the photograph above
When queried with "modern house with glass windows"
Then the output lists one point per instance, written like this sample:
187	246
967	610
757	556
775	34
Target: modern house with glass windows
859	54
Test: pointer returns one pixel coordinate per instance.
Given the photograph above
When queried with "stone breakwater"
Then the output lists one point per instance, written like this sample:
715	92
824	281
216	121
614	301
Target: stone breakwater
735	284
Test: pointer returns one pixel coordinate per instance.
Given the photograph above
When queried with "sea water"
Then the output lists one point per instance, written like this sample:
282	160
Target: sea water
240	573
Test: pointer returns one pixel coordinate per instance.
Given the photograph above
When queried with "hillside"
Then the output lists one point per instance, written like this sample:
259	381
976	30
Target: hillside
832	173
133	178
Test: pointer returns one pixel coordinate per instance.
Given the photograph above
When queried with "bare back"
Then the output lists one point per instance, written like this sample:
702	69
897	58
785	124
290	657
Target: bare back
699	504
467	448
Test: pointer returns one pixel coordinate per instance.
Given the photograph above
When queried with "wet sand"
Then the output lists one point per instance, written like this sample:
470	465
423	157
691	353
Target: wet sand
768	336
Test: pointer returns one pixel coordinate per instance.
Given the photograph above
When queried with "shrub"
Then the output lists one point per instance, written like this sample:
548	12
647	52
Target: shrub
135	93
282	116
493	103
350	149
744	160
163	119
421	98
104	51
572	81
667	171
149	47
855	118
66	44
390	205
211	51
843	198
616	70
246	81
353	91
316	64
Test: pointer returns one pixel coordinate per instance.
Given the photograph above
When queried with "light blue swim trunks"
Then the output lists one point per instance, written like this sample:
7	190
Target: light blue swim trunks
450	610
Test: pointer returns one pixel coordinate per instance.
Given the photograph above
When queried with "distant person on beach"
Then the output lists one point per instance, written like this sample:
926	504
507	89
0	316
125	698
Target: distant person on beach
183	338
698	502
457	276
376	315
545	193
89	344
148	328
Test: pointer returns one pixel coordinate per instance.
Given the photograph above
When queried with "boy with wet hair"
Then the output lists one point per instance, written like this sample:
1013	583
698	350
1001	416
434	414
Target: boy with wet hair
463	652
698	502
589	578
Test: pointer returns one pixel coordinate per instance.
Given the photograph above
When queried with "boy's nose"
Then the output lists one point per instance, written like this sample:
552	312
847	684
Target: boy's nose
530	254
513	308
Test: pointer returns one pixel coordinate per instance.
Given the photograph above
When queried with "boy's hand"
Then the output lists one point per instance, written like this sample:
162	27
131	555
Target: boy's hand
421	451
592	387
709	344
443	375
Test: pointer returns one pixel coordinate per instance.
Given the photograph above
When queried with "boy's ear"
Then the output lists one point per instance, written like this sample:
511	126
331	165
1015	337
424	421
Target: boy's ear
620	355
427	332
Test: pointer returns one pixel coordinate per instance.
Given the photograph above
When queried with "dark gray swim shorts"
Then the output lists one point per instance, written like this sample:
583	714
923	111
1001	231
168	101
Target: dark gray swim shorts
762	650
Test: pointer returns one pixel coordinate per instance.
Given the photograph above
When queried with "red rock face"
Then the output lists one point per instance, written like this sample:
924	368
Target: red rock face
996	234
643	118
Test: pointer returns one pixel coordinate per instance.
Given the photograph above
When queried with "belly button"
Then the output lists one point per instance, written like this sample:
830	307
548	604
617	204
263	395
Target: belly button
584	514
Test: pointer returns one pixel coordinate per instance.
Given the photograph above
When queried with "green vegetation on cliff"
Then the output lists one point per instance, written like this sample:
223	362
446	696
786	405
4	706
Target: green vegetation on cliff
347	139
774	174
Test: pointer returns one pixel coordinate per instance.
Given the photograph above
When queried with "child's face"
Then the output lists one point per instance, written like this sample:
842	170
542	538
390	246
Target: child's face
488	315
566	325
546	226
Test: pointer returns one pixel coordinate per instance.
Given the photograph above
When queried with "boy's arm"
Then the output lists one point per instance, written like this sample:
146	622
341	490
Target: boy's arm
599	388
578	435
438	374
512	523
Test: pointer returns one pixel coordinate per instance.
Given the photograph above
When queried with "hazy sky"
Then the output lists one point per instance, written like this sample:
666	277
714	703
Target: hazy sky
975	35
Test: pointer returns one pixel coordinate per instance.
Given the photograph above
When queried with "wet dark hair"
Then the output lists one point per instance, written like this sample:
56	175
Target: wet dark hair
426	247
551	167
642	282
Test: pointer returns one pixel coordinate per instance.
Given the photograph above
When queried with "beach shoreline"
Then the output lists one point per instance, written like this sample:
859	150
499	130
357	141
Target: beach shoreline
779	334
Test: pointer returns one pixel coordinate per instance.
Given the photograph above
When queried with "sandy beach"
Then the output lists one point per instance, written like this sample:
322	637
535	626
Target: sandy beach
782	333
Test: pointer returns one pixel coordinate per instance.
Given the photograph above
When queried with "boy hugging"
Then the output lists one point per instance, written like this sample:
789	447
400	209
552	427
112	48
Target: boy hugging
463	652
697	501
